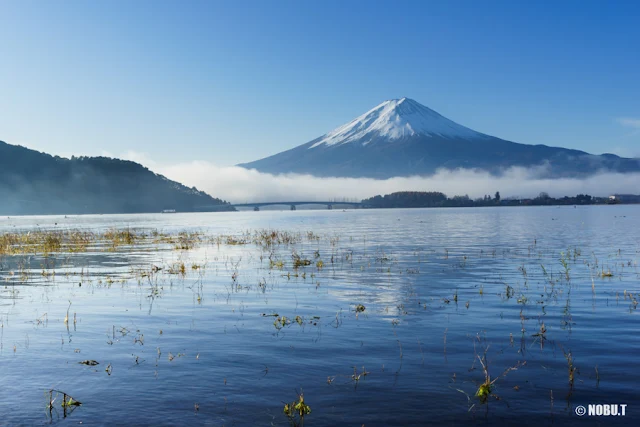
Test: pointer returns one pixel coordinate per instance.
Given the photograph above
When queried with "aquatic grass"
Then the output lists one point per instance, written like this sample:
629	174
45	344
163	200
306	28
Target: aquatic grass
66	318
605	274
571	368
564	260
297	410
120	237
68	403
298	261
487	388
177	268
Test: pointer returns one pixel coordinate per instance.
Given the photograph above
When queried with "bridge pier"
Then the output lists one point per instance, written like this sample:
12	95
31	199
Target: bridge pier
293	207
256	209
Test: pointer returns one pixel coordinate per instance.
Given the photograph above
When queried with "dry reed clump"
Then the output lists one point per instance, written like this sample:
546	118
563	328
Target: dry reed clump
46	242
120	237
32	242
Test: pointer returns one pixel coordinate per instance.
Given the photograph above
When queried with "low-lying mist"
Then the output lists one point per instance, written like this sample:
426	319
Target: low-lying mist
239	185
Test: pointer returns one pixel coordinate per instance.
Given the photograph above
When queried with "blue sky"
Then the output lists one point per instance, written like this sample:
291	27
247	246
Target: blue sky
230	82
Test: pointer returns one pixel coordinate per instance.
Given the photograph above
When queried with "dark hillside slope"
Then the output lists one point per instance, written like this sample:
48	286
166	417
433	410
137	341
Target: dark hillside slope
32	182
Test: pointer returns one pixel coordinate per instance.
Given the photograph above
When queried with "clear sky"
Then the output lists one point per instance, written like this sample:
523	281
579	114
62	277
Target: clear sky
234	81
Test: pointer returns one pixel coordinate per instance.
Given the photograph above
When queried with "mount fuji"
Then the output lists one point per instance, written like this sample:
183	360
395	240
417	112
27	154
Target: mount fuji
402	137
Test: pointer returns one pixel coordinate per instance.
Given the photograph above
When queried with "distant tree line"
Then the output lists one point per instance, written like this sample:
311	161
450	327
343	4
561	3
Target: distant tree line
435	199
581	199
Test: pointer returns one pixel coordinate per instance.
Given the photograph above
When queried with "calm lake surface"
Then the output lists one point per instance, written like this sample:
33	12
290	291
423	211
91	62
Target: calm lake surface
389	324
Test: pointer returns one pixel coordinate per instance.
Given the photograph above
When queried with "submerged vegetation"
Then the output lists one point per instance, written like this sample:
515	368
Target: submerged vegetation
404	313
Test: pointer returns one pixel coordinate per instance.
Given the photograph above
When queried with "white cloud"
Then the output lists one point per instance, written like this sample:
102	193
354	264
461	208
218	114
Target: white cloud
239	185
629	122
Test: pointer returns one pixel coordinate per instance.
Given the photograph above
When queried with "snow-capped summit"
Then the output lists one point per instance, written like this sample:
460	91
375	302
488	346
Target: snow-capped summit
401	137
395	119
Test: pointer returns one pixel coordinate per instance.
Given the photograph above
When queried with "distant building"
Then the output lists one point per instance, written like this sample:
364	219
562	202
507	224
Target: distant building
625	198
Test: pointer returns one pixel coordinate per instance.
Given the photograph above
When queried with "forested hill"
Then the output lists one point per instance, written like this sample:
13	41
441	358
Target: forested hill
32	182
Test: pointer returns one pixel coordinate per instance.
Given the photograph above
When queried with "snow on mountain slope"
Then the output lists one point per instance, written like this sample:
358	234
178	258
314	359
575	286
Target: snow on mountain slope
395	119
401	137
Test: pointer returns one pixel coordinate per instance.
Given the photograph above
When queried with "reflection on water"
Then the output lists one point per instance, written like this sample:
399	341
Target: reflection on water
392	317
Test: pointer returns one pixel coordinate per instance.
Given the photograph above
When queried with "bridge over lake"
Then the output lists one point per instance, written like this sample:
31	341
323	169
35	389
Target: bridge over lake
292	205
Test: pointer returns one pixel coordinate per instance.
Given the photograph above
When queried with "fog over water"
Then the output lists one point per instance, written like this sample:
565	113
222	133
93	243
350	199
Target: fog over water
237	184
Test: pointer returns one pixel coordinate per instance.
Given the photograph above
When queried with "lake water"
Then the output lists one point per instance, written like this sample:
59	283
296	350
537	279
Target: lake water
393	328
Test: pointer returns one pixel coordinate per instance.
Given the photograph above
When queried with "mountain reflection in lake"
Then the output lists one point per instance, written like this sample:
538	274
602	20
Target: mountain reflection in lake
378	317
